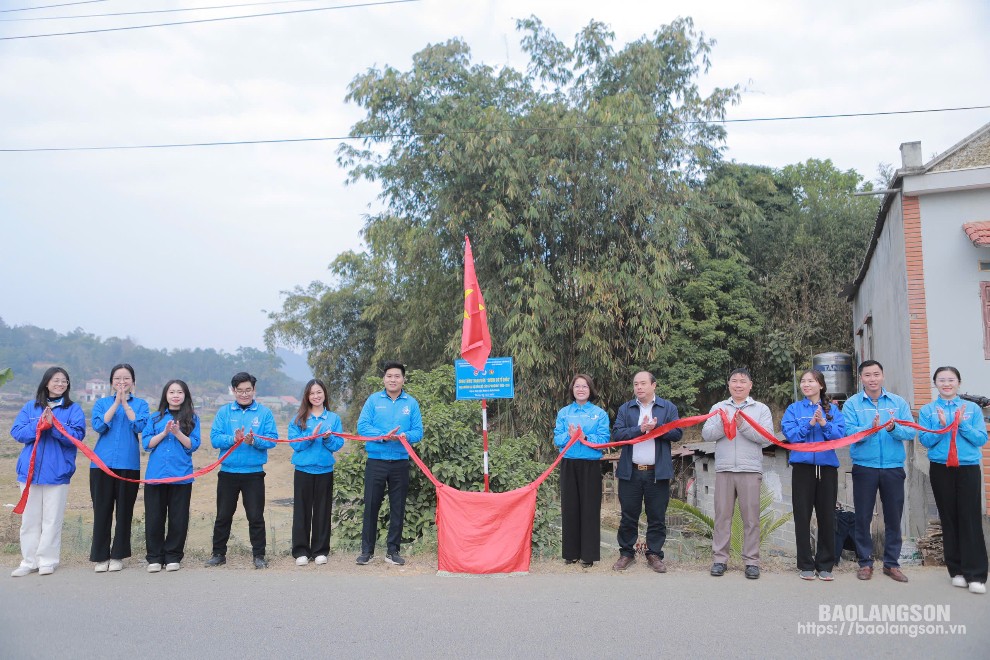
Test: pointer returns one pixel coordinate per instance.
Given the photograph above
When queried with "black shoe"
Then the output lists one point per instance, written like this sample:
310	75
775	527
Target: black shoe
570	561
395	558
753	572
216	560
259	562
718	569
587	564
364	558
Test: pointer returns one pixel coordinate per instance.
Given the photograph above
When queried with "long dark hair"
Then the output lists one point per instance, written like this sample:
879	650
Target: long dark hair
826	402
41	396
185	416
302	415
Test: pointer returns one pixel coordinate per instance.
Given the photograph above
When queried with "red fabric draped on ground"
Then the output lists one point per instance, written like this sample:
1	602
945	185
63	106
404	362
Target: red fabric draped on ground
485	533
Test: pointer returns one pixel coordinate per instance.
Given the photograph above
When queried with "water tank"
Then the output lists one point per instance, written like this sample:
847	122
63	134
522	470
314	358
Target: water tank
838	371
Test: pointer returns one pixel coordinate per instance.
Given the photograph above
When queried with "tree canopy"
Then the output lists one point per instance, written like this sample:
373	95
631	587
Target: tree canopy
609	234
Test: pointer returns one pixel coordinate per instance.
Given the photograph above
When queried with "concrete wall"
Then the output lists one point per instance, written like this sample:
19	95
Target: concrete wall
883	294
952	284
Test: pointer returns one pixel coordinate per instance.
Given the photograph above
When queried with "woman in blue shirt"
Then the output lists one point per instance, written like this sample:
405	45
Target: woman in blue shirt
313	478
119	419
814	475
171	437
958	489
581	473
54	465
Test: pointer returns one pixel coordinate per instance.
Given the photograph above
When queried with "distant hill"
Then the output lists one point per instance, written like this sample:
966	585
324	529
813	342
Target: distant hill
29	350
294	365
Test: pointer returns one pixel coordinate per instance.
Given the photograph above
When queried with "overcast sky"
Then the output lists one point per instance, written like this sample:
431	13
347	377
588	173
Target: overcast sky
178	248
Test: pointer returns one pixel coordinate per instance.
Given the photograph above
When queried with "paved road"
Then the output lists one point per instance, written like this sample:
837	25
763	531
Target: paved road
236	612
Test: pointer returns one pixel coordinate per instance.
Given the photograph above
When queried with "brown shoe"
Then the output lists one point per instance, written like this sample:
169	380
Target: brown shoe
894	573
623	562
864	572
656	563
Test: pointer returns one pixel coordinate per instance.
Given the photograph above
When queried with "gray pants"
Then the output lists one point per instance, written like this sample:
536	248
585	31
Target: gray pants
744	486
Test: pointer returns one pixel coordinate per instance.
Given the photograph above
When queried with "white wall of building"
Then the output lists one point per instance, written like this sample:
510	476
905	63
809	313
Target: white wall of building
952	283
883	294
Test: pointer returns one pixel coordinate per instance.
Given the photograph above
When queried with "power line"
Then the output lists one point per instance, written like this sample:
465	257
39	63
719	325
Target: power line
209	20
64	4
535	129
151	11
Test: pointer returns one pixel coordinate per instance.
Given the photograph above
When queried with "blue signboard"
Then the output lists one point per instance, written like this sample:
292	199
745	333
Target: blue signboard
495	381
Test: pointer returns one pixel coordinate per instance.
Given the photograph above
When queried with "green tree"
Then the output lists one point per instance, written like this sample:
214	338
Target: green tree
579	181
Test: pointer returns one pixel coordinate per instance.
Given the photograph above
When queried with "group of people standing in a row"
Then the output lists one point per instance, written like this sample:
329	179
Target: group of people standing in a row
170	436
645	469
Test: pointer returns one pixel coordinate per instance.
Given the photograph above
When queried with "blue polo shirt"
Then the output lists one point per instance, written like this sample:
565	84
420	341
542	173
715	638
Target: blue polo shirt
381	414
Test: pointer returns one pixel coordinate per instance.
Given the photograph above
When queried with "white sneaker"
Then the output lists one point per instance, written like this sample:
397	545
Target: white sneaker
101	567
320	559
302	561
977	588
959	581
48	570
154	568
115	565
173	566
21	571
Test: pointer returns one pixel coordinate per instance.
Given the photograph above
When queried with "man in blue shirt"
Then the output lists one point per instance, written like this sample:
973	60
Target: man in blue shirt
243	473
878	466
388	460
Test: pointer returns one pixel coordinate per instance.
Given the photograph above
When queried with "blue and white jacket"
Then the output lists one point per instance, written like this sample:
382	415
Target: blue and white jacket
381	414
796	428
316	456
55	462
883	449
257	419
972	433
169	458
119	445
592	420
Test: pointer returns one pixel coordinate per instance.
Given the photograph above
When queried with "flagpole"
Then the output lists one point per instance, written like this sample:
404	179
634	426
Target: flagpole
484	435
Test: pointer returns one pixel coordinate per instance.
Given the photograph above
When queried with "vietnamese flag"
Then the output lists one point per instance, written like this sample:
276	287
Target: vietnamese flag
476	343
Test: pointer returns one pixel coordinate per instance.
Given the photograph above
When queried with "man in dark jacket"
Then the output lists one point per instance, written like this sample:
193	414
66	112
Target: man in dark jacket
644	471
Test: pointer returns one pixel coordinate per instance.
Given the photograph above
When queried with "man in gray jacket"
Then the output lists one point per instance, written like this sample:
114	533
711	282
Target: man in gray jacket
738	473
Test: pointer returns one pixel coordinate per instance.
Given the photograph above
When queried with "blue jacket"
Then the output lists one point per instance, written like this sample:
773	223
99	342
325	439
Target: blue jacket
971	436
246	458
118	445
316	456
380	415
883	449
55	462
169	458
797	429
592	420
626	427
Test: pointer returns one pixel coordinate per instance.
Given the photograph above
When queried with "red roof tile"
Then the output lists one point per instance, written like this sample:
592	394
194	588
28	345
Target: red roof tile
978	232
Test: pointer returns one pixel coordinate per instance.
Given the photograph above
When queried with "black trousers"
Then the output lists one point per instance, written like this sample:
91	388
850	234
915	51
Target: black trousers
581	509
633	493
867	482
814	487
958	495
166	504
109	494
311	498
250	486
377	475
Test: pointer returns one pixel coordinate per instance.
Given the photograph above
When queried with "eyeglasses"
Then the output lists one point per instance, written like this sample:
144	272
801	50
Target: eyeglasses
244	392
